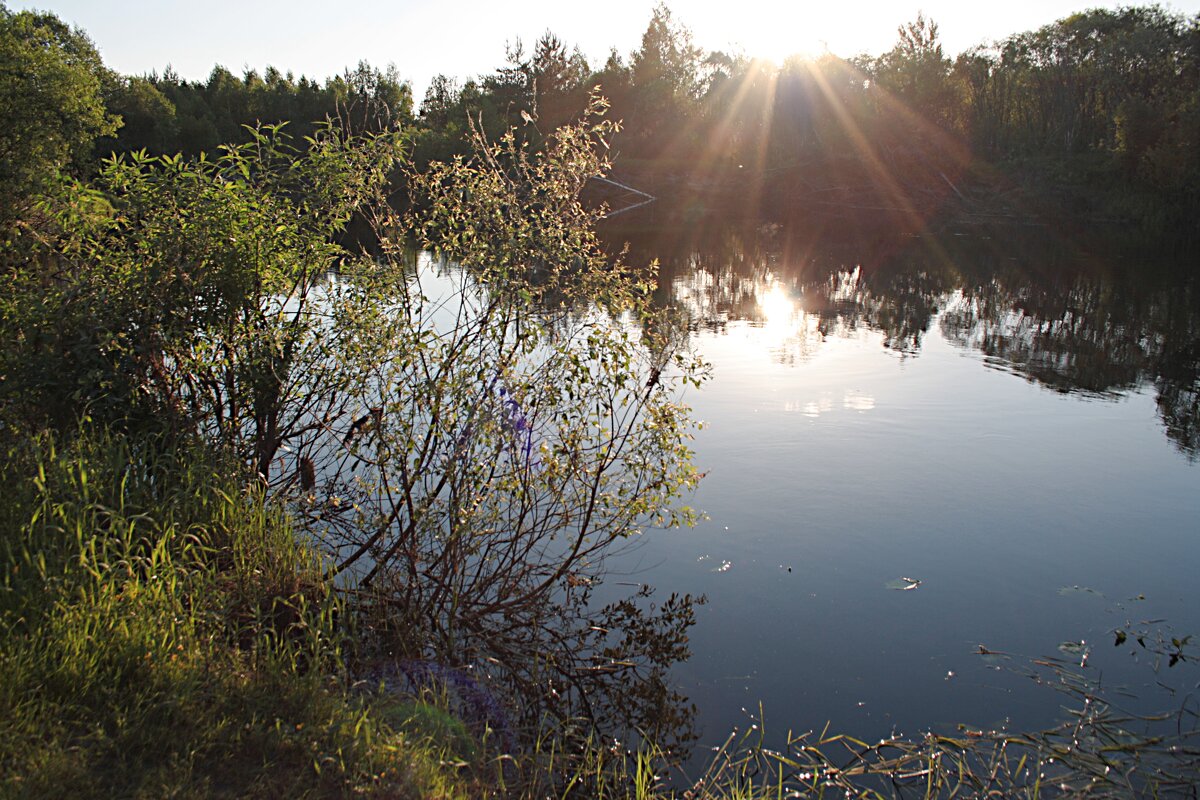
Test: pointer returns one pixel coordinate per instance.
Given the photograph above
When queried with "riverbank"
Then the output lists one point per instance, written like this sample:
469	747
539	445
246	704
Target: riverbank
164	634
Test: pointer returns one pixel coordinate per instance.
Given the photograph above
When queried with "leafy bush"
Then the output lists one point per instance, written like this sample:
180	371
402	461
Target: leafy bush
462	458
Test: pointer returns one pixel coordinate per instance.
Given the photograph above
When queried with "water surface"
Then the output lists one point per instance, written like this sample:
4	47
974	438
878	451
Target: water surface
1013	428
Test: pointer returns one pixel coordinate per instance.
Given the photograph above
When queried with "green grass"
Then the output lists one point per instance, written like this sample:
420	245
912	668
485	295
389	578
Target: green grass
163	634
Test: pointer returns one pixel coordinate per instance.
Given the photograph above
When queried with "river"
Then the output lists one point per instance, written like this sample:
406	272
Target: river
929	462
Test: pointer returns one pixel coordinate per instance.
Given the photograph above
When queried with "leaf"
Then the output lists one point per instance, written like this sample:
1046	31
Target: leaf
1075	591
903	584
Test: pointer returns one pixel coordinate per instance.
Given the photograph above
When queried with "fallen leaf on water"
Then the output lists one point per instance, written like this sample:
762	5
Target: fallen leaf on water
1071	591
903	584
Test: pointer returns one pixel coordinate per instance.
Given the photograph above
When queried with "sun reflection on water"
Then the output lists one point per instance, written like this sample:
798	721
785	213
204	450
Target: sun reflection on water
789	333
777	307
774	308
852	400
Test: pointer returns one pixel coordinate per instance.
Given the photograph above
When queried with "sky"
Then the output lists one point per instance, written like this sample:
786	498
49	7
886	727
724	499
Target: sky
467	38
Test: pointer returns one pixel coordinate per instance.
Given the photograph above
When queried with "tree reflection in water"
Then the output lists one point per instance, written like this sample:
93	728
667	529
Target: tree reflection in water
1098	326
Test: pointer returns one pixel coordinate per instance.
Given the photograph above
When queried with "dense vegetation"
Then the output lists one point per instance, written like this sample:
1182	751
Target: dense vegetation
1095	116
424	465
288	510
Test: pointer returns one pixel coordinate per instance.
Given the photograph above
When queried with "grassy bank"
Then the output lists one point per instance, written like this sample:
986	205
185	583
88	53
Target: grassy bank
162	633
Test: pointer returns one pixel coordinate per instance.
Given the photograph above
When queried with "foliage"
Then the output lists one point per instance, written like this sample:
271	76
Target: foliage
367	99
527	424
167	305
148	119
1094	114
50	98
663	74
917	73
164	114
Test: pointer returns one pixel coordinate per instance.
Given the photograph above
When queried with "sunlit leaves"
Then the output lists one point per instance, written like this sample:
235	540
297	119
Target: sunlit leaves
465	439
50	100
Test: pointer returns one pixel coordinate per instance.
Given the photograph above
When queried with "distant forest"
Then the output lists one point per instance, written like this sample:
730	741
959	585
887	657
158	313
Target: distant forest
1095	116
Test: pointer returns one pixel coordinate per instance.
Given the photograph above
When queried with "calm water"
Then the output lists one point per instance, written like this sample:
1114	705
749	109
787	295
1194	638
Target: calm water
1016	429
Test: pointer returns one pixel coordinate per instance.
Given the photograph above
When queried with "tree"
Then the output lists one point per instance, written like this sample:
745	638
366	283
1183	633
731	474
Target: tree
917	72
165	314
51	101
558	78
664	73
370	99
440	100
507	451
148	119
667	63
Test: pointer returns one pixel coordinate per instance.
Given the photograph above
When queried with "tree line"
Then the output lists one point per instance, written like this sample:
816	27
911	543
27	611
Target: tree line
1097	113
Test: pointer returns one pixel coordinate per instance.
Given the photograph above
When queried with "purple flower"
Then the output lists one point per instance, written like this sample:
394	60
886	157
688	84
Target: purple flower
468	698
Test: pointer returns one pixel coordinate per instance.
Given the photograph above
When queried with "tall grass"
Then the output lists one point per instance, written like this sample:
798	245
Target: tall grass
163	633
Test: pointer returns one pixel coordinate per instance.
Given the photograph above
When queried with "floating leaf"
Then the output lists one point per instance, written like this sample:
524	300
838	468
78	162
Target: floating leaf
1121	637
903	584
1071	591
1073	648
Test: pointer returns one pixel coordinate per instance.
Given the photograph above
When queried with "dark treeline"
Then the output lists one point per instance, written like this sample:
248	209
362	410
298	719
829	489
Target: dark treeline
1098	114
1095	116
164	114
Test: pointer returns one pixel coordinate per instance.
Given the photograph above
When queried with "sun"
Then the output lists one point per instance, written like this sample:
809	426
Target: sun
776	31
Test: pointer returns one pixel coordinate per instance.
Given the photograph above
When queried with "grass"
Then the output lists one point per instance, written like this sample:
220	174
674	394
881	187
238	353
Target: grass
163	634
1097	753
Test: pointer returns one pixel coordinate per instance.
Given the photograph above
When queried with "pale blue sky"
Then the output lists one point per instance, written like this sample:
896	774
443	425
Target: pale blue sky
467	38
